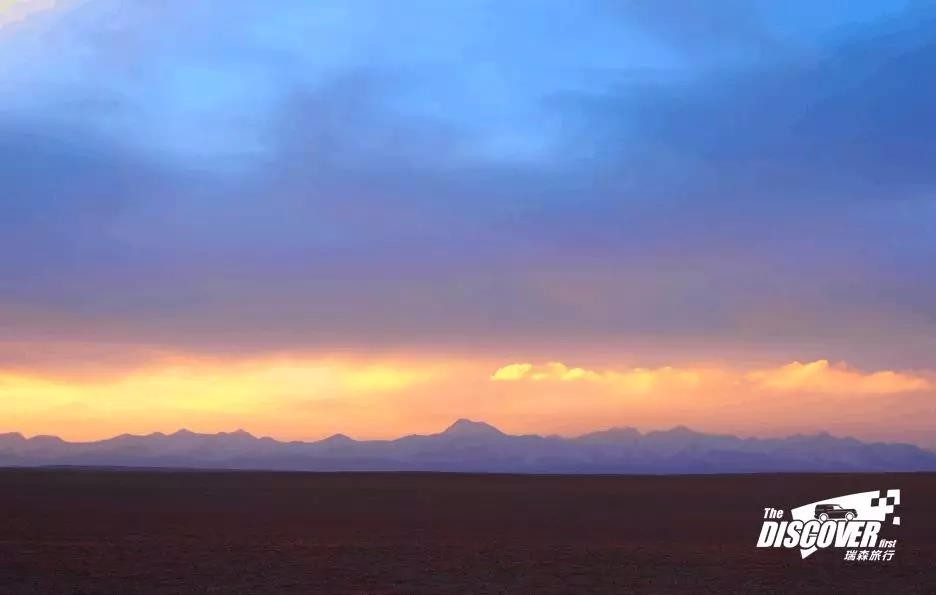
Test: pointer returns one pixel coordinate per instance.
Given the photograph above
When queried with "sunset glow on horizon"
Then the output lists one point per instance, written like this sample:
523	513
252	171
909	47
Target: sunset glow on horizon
556	217
313	397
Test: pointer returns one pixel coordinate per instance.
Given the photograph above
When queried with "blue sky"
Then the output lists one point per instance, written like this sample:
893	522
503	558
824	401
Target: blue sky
669	177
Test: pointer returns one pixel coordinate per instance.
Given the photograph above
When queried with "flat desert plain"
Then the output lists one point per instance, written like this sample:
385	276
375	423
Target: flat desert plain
127	531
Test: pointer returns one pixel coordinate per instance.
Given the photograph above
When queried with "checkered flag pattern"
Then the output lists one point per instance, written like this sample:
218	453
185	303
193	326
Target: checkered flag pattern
890	501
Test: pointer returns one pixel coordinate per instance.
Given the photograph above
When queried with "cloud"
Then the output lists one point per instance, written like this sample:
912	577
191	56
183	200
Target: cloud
333	174
822	377
633	380
512	372
813	377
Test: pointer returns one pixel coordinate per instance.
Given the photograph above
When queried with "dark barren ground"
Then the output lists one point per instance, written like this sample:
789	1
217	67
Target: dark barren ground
84	531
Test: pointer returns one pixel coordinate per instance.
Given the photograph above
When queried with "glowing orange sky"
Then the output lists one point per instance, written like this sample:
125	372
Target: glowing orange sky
307	397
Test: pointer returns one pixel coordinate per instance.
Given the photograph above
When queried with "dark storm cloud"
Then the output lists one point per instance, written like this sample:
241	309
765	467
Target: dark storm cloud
320	177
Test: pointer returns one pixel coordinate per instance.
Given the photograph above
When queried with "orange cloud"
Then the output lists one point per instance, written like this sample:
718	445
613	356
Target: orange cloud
512	372
822	377
635	380
813	377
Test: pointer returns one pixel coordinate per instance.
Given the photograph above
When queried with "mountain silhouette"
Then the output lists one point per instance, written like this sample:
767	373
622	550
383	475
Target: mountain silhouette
476	446
467	427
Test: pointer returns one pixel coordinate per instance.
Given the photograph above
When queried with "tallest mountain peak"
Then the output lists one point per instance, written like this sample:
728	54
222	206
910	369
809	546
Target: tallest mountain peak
467	427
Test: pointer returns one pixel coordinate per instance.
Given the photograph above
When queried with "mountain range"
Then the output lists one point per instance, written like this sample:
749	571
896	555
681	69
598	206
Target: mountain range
471	446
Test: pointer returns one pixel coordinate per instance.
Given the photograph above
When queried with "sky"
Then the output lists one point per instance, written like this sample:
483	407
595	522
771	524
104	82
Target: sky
301	218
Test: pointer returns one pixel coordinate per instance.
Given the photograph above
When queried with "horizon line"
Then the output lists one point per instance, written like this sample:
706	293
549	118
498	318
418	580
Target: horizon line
466	421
